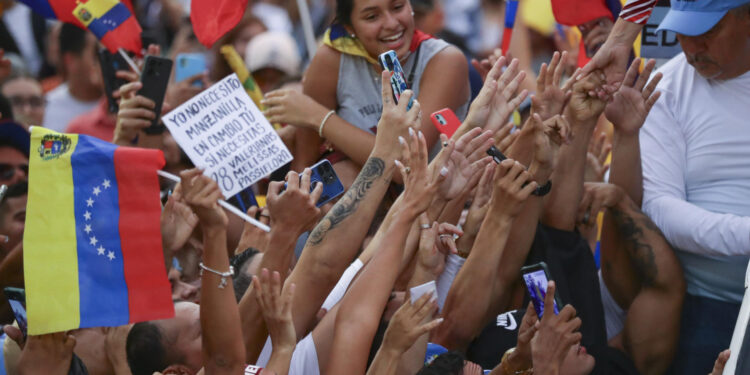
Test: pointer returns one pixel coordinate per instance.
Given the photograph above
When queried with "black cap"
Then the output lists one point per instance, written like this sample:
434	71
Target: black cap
14	135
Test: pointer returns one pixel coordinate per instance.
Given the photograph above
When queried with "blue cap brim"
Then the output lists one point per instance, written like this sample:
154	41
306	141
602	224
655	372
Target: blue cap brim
690	23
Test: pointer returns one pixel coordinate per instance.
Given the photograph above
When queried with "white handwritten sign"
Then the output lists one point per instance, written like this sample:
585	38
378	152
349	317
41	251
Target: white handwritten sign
223	131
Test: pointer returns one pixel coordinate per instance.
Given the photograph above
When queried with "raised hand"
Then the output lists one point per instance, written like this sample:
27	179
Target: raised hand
136	113
180	92
467	159
484	66
550	98
555	335
519	360
596	197
47	354
585	104
549	135
252	236
406	324
420	182
498	98
596	159
395	120
612	57
633	101
177	222
510	188
275	301
202	194
435	244
294	208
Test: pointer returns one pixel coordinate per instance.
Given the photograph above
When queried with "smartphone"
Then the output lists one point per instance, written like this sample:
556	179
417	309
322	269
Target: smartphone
188	65
497	156
324	173
445	121
389	61
110	64
17	301
536	277
155	77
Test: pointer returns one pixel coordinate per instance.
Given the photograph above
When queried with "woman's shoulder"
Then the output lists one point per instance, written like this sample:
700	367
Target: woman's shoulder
326	58
447	57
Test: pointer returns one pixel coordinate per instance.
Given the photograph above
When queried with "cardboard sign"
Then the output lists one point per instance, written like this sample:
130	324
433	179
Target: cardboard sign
223	131
662	44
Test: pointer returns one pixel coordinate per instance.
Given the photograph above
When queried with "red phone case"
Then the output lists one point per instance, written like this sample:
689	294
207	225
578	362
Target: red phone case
445	121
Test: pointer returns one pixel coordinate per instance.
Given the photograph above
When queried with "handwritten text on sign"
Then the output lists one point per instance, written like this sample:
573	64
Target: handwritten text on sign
222	131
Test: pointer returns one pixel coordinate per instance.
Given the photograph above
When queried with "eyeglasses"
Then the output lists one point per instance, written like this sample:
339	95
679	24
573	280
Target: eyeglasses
7	171
32	101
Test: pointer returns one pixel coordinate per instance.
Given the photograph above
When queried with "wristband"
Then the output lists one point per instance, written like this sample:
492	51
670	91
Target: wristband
543	190
322	123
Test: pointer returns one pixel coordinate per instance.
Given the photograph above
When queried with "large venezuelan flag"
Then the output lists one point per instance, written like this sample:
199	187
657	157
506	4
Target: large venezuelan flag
92	242
112	21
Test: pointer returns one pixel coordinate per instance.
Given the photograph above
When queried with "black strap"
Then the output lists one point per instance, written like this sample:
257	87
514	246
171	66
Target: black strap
413	67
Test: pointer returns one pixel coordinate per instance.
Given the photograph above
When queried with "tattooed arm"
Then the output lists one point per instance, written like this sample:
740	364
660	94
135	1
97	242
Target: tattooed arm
334	242
653	318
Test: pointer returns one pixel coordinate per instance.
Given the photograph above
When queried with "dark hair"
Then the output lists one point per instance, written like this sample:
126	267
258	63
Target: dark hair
72	40
344	10
448	363
242	279
145	349
6	110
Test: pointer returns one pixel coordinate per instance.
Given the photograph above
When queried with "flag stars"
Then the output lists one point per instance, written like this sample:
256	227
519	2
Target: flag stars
87	229
111	255
97	190
87	215
93	241
100	250
106	184
89	202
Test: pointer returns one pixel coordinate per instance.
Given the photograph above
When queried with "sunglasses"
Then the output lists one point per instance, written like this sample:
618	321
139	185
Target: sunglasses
7	171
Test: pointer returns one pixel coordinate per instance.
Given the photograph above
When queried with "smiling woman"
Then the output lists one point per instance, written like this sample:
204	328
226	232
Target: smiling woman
344	76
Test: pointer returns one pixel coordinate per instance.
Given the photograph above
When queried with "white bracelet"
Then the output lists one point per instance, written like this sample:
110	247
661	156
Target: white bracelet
322	123
223	275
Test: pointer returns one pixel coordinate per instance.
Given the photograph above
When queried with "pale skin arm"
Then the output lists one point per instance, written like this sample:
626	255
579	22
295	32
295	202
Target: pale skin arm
613	56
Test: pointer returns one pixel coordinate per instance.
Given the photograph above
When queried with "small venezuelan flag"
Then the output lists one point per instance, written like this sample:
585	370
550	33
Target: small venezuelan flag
112	21
92	242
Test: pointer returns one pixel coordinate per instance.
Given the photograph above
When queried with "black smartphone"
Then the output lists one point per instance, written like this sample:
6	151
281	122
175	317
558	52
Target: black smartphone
244	199
110	64
17	301
497	156
536	277
155	78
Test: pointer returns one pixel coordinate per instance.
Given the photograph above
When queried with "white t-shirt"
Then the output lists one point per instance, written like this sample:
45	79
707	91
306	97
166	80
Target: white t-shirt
63	107
695	148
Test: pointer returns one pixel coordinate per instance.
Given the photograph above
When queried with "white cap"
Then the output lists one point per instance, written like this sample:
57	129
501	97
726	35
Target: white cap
273	49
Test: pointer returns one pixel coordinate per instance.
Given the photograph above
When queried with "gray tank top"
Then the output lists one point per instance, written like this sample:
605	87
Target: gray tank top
358	92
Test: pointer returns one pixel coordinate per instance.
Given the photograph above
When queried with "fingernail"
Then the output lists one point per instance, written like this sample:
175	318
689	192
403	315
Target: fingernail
411	131
401	139
440	320
398	163
420	134
444	171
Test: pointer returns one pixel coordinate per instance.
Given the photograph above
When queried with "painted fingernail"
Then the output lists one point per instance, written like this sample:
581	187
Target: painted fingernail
411	131
420	134
401	139
444	171
439	320
398	163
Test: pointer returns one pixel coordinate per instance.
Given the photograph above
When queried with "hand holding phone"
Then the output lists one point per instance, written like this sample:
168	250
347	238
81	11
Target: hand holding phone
445	121
536	278
190	65
17	301
389	61
110	63
155	77
323	172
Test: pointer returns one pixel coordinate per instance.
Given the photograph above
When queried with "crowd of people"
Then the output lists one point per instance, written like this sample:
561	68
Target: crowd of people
626	180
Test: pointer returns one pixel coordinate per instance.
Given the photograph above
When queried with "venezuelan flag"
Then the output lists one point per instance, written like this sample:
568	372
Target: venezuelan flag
112	21
92	242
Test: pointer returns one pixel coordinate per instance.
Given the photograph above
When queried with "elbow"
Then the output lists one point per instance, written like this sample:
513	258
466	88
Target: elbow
451	333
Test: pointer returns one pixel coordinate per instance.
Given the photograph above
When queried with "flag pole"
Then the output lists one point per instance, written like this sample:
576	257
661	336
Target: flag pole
511	6
304	15
130	61
224	204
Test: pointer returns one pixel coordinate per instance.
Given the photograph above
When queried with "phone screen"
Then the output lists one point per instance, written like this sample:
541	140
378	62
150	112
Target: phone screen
536	283
20	313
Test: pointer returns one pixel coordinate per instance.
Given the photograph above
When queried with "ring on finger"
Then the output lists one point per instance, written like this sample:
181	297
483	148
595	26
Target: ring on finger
407	170
445	144
444	235
425	226
586	217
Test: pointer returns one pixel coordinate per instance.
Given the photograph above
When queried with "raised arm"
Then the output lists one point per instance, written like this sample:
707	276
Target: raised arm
335	241
463	320
222	346
362	307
